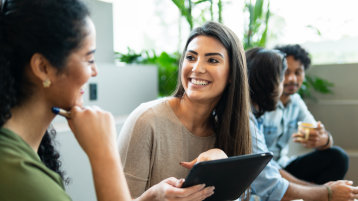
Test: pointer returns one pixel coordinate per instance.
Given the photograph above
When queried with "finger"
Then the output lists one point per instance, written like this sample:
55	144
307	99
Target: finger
299	140
179	183
188	165
319	124
313	139
297	135
348	182
201	195
172	181
74	110
355	190
185	192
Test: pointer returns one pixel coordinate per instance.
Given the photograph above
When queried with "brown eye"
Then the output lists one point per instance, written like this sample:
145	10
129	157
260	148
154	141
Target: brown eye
189	57
211	60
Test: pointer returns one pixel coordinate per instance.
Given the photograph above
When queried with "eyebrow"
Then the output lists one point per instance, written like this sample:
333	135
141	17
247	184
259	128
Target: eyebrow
91	52
208	54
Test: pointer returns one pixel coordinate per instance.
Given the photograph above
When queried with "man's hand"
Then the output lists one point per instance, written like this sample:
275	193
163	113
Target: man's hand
318	137
343	190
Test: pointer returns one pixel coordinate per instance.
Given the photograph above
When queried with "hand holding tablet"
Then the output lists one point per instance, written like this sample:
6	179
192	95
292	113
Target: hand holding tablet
230	176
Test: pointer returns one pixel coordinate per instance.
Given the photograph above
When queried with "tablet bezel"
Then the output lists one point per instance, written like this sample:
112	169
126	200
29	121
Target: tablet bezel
225	173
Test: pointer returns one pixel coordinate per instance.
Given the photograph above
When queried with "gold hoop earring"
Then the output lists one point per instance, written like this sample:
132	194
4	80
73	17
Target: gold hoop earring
46	83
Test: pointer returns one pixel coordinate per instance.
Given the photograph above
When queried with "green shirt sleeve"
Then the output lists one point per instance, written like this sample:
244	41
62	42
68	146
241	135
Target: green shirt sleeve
23	177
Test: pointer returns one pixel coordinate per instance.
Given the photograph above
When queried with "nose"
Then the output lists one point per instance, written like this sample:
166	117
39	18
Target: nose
199	67
291	77
94	70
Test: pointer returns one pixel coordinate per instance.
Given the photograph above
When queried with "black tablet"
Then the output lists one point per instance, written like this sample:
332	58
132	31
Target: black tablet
230	176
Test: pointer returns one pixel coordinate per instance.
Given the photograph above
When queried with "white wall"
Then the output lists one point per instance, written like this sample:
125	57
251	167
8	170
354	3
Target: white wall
101	14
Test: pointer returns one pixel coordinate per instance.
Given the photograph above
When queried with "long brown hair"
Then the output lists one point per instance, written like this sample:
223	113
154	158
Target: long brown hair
230	117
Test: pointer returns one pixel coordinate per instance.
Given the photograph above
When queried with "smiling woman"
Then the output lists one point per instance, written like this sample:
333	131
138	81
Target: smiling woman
210	109
205	69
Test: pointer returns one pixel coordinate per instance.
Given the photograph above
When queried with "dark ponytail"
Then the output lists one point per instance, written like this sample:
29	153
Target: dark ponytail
52	28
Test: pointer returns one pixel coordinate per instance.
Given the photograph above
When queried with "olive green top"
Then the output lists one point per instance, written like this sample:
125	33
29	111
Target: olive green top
23	177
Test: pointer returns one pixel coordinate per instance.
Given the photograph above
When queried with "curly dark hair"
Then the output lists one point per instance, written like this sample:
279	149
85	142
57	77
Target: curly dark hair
52	28
266	69
297	52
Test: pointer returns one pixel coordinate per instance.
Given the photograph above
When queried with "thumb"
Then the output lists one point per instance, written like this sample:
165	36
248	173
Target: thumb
319	124
188	165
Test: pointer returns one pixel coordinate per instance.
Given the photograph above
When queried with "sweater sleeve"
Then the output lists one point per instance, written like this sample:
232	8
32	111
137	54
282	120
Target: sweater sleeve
135	143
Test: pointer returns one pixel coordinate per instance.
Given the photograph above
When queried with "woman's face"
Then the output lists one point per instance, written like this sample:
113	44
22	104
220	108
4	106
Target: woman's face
205	69
68	85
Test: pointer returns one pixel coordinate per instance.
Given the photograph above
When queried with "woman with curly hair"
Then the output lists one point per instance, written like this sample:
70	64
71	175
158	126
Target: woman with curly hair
46	57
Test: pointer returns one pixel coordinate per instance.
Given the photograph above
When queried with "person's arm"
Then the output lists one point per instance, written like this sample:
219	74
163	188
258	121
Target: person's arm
135	143
307	193
109	179
332	191
269	184
292	179
95	131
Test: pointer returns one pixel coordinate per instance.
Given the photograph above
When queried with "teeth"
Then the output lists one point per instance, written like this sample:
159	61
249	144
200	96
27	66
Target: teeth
199	82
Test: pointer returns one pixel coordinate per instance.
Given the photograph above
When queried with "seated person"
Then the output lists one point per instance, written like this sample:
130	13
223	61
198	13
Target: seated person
266	70
46	57
210	109
326	162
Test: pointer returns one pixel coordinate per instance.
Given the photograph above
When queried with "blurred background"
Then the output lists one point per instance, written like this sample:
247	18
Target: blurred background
139	43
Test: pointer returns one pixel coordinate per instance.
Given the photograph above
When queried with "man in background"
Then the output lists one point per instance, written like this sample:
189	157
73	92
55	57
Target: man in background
327	162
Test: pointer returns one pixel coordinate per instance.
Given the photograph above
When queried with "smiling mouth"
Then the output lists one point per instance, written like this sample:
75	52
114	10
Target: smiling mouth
198	82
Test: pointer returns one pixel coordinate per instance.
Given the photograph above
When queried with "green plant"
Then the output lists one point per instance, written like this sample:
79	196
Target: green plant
256	31
314	83
256	36
167	66
186	7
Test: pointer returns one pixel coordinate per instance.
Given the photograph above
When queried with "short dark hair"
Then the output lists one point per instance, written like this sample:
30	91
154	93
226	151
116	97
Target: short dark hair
265	72
297	52
231	115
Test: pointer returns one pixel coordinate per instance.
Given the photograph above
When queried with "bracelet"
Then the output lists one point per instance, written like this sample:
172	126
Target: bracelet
329	192
328	140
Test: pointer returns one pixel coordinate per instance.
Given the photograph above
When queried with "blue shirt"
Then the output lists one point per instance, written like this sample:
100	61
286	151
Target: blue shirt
269	185
280	124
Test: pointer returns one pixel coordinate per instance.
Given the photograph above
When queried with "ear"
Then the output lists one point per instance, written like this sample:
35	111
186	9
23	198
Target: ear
41	67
